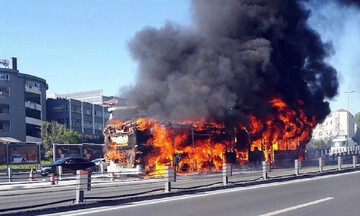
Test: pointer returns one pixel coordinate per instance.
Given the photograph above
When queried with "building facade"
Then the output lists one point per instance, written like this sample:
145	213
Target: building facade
337	123
117	106
22	104
86	118
94	97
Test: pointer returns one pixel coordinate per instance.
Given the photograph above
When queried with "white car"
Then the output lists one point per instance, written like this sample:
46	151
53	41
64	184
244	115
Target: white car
100	162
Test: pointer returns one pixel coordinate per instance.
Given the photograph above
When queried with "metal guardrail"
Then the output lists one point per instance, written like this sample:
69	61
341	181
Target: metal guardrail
101	185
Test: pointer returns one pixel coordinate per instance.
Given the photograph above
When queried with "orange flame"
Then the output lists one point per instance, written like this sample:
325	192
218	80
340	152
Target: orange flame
285	129
200	146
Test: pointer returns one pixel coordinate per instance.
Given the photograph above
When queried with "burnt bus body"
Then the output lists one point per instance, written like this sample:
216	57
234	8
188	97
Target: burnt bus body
129	140
133	143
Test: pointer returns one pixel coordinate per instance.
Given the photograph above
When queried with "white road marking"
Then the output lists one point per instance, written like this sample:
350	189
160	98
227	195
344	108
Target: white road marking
297	206
169	199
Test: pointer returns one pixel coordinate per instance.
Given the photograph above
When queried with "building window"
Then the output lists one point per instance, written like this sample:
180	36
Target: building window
75	109
33	130
4	108
32	84
5	126
5	77
98	113
88	125
4	91
87	112
99	126
58	109
67	123
76	122
32	97
33	113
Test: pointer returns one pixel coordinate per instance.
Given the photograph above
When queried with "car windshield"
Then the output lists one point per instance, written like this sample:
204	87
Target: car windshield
96	160
60	161
338	143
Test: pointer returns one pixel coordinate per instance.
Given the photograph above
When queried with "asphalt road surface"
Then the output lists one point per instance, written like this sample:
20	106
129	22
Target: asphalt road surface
325	195
21	195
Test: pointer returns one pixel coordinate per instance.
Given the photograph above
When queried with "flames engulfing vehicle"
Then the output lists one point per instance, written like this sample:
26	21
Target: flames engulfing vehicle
199	146
152	144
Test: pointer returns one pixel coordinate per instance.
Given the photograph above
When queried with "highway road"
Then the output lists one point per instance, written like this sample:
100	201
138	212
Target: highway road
24	195
325	195
21	195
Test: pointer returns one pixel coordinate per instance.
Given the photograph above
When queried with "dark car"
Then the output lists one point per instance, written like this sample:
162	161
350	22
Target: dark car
69	164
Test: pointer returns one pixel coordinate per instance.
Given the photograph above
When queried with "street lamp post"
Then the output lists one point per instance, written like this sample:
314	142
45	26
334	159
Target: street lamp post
348	93
348	121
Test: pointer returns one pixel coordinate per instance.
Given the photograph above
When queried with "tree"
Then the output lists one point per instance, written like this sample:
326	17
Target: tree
318	144
53	132
357	122
357	119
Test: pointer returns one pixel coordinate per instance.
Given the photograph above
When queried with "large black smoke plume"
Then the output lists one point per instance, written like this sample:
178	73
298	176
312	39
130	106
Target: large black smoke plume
238	55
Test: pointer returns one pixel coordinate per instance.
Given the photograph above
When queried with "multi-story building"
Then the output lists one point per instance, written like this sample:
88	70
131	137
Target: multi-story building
22	104
337	123
117	106
87	118
94	97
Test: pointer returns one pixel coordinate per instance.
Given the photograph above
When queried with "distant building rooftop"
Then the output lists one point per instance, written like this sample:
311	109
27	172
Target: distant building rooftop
342	110
94	97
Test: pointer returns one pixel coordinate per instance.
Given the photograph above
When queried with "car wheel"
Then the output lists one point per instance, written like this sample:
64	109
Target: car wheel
44	174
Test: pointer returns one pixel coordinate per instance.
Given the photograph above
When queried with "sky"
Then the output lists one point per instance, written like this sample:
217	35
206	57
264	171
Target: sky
82	45
340	26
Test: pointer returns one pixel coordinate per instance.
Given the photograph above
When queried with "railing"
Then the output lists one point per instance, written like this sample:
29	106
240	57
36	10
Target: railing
33	105
69	189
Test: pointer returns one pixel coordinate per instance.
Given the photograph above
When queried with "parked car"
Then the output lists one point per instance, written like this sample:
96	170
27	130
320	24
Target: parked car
100	162
18	158
69	164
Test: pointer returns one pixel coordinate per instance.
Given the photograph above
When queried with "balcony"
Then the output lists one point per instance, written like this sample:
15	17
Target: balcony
33	88
32	105
33	121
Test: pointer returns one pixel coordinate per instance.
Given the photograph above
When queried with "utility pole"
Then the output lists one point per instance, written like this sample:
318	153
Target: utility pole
348	120
348	93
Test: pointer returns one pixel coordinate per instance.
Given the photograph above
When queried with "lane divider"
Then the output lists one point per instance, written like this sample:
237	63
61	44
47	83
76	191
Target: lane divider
297	207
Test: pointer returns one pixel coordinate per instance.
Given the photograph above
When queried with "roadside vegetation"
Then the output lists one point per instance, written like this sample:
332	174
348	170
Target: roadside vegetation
53	132
25	166
357	124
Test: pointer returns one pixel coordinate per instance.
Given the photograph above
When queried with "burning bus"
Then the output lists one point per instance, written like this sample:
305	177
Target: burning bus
148	145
